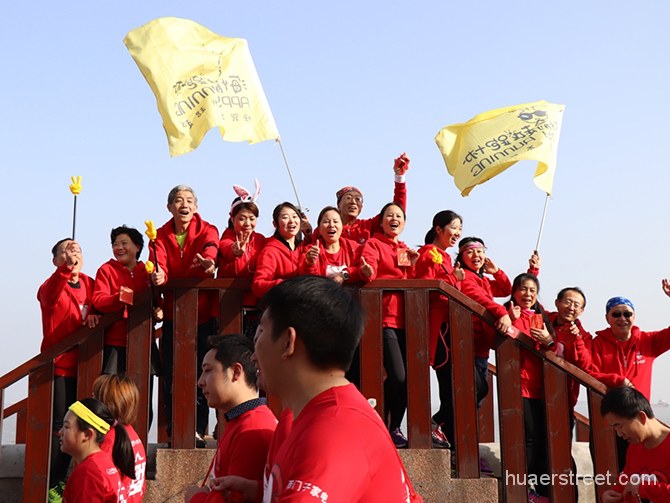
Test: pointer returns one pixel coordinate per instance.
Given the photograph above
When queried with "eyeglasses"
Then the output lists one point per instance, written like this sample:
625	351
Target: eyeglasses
619	314
571	303
355	199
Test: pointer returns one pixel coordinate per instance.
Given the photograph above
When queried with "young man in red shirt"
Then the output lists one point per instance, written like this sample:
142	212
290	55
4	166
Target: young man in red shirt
65	302
229	383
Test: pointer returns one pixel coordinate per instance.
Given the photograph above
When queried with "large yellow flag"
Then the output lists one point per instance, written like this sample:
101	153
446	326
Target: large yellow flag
489	143
201	80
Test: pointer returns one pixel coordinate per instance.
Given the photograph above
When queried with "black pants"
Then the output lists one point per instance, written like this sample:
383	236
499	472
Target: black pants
202	410
65	394
537	455
395	385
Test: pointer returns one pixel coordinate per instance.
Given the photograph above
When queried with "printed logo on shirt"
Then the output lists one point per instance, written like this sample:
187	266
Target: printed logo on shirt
300	486
639	358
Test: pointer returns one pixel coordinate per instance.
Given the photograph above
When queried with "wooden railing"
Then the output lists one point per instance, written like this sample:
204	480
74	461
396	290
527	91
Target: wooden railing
39	370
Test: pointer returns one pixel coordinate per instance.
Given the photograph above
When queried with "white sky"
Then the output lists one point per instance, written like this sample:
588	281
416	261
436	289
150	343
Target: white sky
351	85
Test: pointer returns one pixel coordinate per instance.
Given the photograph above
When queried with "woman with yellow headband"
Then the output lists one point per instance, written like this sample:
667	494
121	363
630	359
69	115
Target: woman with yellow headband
97	476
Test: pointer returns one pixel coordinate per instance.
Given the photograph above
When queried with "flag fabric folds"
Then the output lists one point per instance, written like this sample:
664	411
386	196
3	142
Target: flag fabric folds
491	142
201	80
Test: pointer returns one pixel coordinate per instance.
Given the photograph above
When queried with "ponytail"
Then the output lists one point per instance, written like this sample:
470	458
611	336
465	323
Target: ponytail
122	451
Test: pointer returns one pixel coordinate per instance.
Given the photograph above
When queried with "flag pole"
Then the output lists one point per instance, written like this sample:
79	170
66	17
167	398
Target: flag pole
74	216
290	175
544	216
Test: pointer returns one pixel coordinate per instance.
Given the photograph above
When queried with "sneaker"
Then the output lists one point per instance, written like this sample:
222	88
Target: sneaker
399	439
440	440
200	442
534	497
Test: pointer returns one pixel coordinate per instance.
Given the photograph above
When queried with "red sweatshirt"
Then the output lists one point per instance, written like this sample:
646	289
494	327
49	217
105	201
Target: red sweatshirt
632	359
329	264
381	253
243	266
532	382
201	237
482	290
108	281
575	350
361	230
425	268
275	264
64	309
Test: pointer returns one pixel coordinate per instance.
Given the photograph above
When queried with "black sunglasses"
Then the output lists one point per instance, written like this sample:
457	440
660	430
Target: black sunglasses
625	314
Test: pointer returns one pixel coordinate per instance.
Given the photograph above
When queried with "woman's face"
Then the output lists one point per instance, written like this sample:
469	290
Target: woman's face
393	221
244	222
70	435
124	250
288	223
473	258
448	235
526	295
330	226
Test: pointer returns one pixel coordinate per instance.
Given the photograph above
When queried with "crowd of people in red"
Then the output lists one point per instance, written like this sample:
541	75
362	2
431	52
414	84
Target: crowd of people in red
350	251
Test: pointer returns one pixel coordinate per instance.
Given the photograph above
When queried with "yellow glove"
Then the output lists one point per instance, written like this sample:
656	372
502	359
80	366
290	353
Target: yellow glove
75	186
149	266
151	230
435	255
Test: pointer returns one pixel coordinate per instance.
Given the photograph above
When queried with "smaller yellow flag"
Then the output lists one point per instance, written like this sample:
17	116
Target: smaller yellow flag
491	142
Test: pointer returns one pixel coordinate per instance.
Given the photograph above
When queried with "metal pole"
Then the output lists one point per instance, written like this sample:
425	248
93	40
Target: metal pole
544	215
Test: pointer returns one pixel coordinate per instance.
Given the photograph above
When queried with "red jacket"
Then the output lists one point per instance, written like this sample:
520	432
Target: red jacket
108	281
632	359
64	309
201	237
532	382
348	258
482	290
243	266
575	350
381	253
425	268
275	264
361	230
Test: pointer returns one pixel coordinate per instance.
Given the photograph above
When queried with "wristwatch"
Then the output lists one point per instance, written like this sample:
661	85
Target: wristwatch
345	275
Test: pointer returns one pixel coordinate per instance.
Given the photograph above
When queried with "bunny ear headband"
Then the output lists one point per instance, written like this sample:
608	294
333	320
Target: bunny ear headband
245	196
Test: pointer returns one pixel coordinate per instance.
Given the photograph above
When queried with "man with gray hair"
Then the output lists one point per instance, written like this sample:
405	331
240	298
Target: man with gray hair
186	247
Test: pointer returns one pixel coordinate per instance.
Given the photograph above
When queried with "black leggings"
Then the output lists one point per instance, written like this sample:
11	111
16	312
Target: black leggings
395	385
537	456
65	394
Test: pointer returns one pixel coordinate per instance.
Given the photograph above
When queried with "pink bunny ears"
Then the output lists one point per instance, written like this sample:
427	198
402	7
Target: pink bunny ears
245	196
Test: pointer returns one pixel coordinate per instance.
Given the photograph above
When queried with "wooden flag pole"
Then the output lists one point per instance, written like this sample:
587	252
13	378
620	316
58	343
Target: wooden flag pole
290	175
544	216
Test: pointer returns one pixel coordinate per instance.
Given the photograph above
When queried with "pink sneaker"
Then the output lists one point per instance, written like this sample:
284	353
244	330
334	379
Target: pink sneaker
534	497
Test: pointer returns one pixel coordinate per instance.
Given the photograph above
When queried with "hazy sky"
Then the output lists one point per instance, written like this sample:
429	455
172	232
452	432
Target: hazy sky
351	85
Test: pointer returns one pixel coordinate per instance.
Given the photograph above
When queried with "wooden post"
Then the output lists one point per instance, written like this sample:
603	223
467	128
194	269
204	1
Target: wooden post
138	356
371	349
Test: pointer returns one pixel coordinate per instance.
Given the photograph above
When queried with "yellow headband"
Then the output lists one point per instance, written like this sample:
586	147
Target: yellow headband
84	413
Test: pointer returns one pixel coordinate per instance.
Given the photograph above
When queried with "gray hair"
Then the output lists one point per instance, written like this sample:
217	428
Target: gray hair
180	188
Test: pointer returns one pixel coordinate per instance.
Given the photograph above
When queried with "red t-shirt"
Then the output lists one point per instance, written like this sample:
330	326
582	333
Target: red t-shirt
339	451
652	468
134	488
95	480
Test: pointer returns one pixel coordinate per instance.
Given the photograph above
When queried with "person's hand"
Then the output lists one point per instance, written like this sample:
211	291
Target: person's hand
631	490
206	263
665	283
312	254
612	496
534	260
413	256
92	320
459	272
158	277
366	269
574	329
73	256
542	335
305	226
401	164
193	490
338	278
626	382
158	314
236	489
240	244
503	324
514	311
490	267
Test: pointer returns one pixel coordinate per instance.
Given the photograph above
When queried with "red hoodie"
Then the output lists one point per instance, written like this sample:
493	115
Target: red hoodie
482	290
426	268
201	237
326	263
243	266
381	253
275	264
632	359
108	281
532	383
64	308
361	230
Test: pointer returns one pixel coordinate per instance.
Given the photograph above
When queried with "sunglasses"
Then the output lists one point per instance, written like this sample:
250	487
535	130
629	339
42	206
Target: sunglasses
619	314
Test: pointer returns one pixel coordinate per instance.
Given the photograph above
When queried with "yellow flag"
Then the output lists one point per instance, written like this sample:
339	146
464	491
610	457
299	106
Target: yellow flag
201	80
489	143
